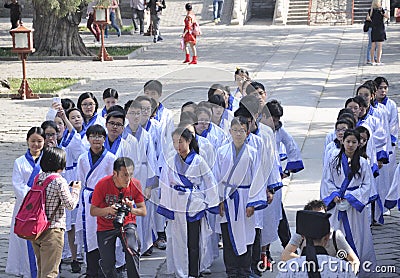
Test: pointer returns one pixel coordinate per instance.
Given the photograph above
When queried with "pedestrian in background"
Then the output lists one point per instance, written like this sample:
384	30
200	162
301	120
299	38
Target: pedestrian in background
156	7
189	38
378	35
93	28
112	9
217	9
137	7
15	12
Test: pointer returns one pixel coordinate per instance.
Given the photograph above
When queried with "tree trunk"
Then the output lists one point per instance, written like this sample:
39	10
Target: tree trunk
55	36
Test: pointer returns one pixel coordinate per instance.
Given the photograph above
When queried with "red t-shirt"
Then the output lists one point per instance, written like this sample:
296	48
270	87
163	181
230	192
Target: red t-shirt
106	194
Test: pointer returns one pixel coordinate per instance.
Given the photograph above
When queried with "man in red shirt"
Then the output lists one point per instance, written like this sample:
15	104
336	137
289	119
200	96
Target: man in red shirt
119	188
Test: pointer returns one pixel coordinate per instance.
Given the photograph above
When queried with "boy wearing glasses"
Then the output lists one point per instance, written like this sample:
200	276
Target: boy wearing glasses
92	166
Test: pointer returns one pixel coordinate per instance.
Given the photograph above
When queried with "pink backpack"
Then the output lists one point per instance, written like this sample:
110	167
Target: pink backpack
196	29
31	220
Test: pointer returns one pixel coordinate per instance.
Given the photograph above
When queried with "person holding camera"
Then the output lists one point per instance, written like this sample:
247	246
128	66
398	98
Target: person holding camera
116	201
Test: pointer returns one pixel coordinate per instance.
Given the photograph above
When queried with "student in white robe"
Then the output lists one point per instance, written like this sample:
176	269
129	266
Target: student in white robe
333	147
110	98
88	104
376	204
393	117
147	173
92	166
314	261
205	128
393	197
346	189
153	89
75	117
344	113
240	179
153	127
21	258
221	116
188	189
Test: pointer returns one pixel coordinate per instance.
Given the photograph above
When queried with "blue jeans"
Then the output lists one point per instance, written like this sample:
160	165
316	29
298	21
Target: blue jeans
113	24
217	8
370	46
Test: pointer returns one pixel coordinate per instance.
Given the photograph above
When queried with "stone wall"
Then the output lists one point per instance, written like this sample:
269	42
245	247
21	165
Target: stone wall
331	12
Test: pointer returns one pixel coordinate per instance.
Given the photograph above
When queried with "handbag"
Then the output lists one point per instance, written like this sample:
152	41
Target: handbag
367	23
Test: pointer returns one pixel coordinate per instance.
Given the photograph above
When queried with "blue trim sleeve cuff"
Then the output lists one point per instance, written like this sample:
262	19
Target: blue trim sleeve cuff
166	212
295	166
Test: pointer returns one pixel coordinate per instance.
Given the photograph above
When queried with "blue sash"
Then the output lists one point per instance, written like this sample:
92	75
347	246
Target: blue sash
206	131
67	139
342	215
103	111
148	124
115	145
230	102
35	171
92	120
92	168
159	112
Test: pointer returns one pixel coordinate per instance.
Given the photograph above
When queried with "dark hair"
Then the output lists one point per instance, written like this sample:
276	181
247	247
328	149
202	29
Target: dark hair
243	112
204	104
143	98
47	124
315	204
344	111
96	130
379	80
265	111
188	117
251	103
53	159
372	84
153	85
215	87
188	6
371	87
189	103
363	149
200	110
84	96
348	117
253	87
67	103
361	101
240	121
132	104
346	122
355	161
116	114
110	92
73	109
188	136
154	106
123	162
116	108
275	108
241	71
35	130
217	100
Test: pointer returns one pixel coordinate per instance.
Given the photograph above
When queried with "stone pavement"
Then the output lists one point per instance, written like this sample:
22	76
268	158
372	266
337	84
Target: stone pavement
311	70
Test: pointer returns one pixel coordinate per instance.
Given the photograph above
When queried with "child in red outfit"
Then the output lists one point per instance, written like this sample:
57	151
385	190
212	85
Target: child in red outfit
188	37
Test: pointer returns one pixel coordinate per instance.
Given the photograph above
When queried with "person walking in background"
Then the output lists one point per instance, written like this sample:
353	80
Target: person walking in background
112	8
93	28
217	9
15	12
188	37
137	7
156	7
377	14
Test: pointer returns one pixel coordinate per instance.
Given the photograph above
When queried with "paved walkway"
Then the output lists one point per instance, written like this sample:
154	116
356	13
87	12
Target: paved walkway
311	70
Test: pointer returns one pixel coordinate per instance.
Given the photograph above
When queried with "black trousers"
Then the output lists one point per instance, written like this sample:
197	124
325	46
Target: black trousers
235	266
138	15
106	241
283	229
92	264
256	253
193	245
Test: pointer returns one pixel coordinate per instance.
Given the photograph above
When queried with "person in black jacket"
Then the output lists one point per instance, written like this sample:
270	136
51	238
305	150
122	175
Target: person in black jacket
156	7
15	12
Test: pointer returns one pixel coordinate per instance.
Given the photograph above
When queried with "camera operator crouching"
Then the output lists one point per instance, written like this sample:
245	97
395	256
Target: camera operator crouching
116	202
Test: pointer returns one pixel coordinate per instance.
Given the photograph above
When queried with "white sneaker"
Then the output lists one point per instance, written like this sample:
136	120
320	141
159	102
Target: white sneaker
387	213
380	64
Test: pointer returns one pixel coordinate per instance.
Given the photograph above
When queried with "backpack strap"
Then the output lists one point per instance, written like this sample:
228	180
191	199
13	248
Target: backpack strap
45	183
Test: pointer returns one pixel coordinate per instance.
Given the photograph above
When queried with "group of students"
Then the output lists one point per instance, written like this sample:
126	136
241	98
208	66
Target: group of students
360	182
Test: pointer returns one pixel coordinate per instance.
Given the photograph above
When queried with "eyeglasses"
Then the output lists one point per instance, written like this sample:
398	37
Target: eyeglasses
88	104
96	137
115	124
50	135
